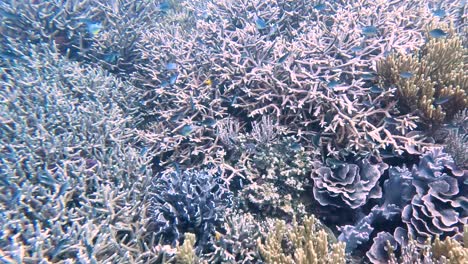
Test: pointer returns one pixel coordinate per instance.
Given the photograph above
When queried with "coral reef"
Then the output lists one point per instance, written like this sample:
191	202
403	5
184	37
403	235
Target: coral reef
300	244
432	81
347	184
72	176
238	242
440	205
189	201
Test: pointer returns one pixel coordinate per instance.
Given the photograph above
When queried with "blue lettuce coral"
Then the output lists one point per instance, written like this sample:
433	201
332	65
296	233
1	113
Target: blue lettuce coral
347	184
191	201
440	205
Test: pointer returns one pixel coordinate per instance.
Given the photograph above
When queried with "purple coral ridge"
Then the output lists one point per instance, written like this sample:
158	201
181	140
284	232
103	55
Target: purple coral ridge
191	201
348	185
440	205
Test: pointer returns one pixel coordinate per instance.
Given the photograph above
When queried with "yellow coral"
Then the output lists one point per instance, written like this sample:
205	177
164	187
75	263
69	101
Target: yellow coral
432	83
186	253
302	244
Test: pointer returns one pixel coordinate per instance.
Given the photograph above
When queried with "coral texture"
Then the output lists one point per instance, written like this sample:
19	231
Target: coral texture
347	184
300	244
440	205
433	81
189	201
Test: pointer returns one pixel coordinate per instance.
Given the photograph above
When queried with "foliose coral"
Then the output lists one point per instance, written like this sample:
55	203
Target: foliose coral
190	201
440	205
300	243
347	184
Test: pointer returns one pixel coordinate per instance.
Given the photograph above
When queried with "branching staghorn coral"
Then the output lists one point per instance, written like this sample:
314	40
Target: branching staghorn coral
433	81
73	178
307	66
301	244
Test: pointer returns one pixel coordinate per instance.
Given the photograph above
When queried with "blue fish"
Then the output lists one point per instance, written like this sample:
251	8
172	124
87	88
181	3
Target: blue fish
369	30
260	23
437	33
320	6
356	49
171	66
439	12
93	28
390	121
406	75
333	84
296	146
368	77
442	100
376	90
186	130
209	122
173	78
284	57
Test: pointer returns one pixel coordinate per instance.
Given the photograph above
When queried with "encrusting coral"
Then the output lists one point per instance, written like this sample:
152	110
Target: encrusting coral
433	82
300	244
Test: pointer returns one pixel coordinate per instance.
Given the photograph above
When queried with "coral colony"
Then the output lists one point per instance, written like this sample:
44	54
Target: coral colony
234	131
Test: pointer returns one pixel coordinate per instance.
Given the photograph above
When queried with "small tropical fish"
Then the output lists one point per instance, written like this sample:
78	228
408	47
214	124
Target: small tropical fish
406	74
333	84
93	28
284	57
387	154
368	77
173	78
260	23
164	6
186	130
442	100
437	33
334	163
356	49
209	122
369	30
367	103
218	235
439	12
296	146
208	82
111	57
171	66
391	121
320	6
376	90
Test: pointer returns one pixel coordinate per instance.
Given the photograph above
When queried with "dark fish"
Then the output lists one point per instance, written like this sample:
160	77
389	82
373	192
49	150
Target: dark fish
437	33
295	146
209	122
391	121
442	100
406	74
320	7
186	130
111	57
173	78
369	30
439	12
334	163
387	154
170	66
260	23
284	57
367	103
356	49
316	140
164	6
333	84
368	77
376	90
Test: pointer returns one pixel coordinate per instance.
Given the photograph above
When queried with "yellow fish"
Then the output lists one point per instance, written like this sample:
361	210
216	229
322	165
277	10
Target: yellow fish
208	82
